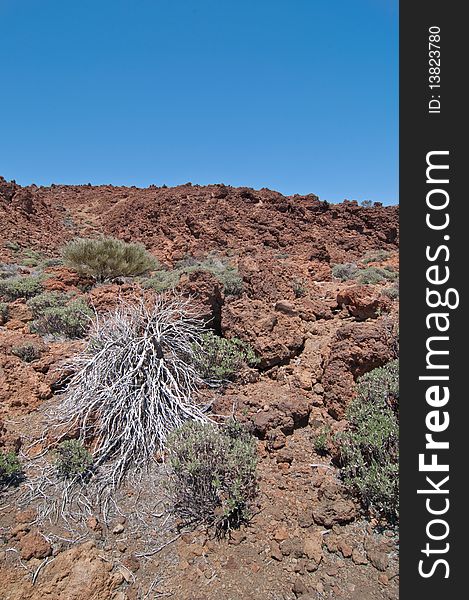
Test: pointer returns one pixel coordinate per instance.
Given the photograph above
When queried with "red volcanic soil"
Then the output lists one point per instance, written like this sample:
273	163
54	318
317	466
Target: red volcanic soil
314	335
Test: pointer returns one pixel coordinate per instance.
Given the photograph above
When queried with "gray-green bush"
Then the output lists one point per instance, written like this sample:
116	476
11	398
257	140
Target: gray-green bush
162	280
374	275
107	258
376	256
300	288
25	286
344	271
212	476
369	449
27	352
72	460
3	312
46	300
222	358
392	292
10	468
321	442
71	320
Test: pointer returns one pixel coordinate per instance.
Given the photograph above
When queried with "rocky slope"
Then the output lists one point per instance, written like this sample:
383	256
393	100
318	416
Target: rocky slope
314	334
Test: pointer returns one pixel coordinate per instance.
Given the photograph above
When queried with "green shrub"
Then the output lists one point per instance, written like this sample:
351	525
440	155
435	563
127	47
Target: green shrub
376	256
300	288
27	352
71	320
161	281
8	270
344	271
369	449
213	474
222	358
46	300
321	442
31	258
392	292
13	246
105	259
3	312
20	287
374	275
10	468
52	262
72	460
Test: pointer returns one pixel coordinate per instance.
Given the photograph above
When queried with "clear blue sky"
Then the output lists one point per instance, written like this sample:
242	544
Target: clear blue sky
295	95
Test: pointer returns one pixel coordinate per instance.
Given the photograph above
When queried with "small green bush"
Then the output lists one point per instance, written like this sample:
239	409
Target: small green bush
52	262
13	246
299	287
344	271
3	312
376	256
213	474
8	270
72	460
222	358
27	352
321	442
31	258
10	468
46	300
374	275
71	320
105	259
20	287
161	281
392	292
369	449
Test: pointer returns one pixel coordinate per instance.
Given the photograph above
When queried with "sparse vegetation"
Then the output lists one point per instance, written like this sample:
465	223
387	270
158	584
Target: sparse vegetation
15	287
27	352
71	320
162	281
220	267
220	359
46	300
300	289
213	474
321	442
13	246
72	460
369	450
8	270
10	468
31	258
344	271
374	275
3	312
51	262
368	275
376	256
392	292
105	259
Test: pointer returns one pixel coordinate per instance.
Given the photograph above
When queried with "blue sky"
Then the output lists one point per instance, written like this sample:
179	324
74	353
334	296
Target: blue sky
295	95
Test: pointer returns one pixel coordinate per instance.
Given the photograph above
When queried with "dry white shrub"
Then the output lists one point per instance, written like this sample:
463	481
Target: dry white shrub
135	382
